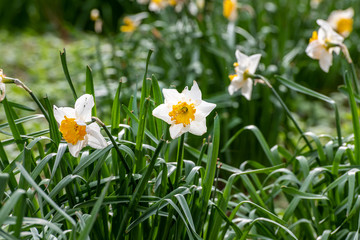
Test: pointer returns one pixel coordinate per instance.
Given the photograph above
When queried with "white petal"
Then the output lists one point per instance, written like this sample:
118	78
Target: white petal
171	96
75	149
2	91
235	85
176	130
195	92
95	138
205	108
198	127
315	49
254	62
83	106
59	113
162	112
246	89
325	61
242	60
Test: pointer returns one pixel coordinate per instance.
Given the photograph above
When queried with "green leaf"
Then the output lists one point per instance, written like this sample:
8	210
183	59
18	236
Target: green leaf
10	204
115	112
66	72
89	82
94	212
44	195
4	177
303	195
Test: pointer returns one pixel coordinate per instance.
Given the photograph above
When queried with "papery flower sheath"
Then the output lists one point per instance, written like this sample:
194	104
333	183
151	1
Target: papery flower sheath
2	85
342	21
73	125
244	68
323	43
185	111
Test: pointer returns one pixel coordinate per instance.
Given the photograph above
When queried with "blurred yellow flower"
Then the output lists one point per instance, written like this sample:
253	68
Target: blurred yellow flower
94	14
129	25
230	9
342	21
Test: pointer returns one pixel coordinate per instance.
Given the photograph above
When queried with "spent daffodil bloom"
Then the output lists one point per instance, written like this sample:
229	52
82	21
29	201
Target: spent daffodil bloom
230	9
244	68
73	125
342	21
2	85
185	111
323	43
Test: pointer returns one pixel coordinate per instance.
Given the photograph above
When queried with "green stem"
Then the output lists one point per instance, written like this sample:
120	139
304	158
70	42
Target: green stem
180	156
285	108
95	119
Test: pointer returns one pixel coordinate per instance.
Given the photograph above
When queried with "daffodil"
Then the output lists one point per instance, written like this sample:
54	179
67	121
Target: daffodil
2	85
129	25
158	5
342	21
185	111
73	125
244	68
230	9
323	43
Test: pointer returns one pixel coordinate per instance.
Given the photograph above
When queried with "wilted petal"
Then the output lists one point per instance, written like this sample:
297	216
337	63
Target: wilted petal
75	149
205	108
162	112
246	89
254	62
95	138
83	106
61	112
176	130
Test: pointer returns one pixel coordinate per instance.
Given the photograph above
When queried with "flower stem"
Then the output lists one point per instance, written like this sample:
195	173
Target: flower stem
95	119
266	81
18	83
180	156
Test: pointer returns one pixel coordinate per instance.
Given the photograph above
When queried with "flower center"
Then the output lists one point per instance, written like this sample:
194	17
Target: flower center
344	25
228	7
182	113
314	36
71	131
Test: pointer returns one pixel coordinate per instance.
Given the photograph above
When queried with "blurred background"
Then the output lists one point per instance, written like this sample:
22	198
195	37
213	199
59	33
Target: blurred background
192	40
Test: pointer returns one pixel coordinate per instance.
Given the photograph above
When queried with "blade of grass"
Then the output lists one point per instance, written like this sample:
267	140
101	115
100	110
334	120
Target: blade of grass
66	72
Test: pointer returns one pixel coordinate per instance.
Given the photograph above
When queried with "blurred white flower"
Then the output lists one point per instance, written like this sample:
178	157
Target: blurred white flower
94	14
244	68
230	9
2	85
132	22
158	5
323	43
342	21
74	128
185	111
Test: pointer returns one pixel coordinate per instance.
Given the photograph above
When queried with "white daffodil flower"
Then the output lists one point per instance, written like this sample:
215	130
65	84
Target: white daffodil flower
230	9
157	5
2	86
323	43
185	111
73	125
244	68
342	21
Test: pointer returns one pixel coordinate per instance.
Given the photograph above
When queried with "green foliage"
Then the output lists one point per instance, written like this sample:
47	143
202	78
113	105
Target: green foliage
258	172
